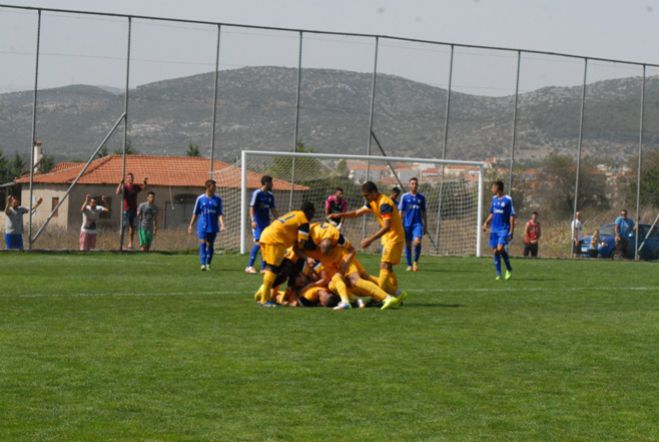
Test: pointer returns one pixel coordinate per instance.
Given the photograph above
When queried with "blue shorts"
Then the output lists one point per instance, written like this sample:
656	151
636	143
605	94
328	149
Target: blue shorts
256	233
14	241
130	216
207	236
413	231
499	239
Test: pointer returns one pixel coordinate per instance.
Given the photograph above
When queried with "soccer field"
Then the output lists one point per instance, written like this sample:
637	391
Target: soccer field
134	347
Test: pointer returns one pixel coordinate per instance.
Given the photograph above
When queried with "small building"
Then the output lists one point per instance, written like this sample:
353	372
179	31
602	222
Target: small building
176	180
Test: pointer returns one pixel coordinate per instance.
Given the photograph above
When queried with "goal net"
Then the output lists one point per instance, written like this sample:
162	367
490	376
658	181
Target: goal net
453	191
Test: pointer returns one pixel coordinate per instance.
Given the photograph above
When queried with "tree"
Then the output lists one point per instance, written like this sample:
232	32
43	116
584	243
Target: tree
557	184
649	180
130	150
103	152
306	169
193	150
17	166
46	164
342	168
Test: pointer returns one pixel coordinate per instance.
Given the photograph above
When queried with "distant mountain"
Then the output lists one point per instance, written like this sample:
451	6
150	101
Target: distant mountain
257	107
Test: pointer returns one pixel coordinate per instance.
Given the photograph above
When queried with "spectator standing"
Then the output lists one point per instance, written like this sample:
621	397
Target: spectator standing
147	217
532	233
14	223
395	194
91	212
130	191
576	228
336	203
623	229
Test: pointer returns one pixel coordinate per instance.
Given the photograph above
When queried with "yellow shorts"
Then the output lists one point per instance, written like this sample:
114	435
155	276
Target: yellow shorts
354	267
391	252
312	294
273	254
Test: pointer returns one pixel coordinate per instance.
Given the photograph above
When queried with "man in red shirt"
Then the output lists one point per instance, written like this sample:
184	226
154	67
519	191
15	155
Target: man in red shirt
532	234
336	203
130	192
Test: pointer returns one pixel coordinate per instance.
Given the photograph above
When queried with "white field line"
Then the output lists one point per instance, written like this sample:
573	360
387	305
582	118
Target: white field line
432	290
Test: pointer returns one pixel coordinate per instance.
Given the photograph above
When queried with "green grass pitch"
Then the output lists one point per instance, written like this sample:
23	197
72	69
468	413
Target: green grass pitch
134	347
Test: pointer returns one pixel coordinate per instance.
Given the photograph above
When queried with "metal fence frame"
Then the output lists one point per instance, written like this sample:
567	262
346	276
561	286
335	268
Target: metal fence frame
377	38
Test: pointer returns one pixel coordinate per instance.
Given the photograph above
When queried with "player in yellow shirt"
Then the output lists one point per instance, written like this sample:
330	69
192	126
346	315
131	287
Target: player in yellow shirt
290	230
391	232
327	245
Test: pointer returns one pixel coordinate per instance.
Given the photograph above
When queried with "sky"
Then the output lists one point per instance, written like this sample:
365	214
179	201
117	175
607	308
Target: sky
91	50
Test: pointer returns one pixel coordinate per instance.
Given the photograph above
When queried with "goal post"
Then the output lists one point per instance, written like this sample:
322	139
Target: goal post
453	191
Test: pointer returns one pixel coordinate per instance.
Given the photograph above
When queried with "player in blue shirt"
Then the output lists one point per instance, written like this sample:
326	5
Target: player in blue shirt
260	207
502	217
412	209
207	212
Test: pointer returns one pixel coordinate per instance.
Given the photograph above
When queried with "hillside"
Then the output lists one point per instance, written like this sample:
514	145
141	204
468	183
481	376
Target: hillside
257	105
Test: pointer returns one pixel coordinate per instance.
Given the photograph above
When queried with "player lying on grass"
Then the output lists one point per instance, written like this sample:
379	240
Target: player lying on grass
502	218
390	233
310	287
290	230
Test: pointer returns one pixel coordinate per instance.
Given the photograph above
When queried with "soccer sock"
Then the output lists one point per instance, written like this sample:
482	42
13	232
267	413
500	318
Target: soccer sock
367	288
383	279
506	260
417	252
408	254
341	289
393	282
268	281
497	263
209	252
202	253
252	254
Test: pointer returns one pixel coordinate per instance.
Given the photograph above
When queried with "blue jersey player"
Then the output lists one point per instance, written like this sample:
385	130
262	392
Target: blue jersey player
502	220
412	209
207	212
260	207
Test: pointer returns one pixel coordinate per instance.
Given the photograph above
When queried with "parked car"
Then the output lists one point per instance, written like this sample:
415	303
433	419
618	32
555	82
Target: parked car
606	246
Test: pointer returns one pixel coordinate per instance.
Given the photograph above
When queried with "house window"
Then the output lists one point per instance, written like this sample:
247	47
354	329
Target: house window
54	202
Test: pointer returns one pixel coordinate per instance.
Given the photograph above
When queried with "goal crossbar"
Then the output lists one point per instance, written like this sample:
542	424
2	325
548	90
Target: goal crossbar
244	171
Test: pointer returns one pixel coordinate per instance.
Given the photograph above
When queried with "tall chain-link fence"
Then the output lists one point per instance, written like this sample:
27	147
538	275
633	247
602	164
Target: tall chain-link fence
175	101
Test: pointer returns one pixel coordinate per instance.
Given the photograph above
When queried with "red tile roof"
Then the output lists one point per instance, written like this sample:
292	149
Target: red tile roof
180	171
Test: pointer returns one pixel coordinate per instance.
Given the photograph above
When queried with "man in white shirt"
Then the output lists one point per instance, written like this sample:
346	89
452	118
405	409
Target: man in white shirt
576	228
91	212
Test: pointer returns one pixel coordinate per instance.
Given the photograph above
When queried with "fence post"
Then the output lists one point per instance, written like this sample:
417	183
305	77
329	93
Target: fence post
123	151
579	143
445	146
34	129
638	170
215	87
296	129
371	114
514	140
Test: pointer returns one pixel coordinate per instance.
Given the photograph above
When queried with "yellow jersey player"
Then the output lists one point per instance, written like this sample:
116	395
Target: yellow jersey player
391	232
327	245
289	230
